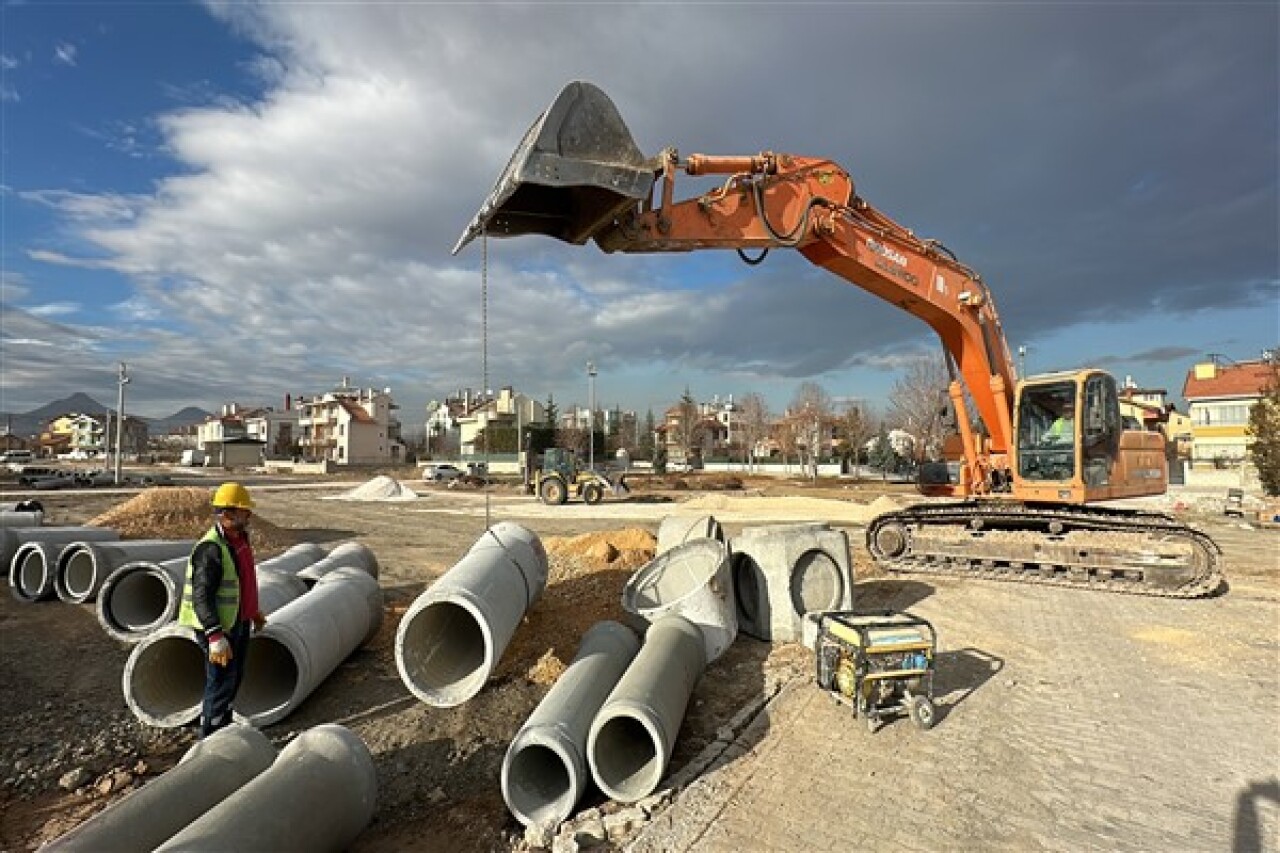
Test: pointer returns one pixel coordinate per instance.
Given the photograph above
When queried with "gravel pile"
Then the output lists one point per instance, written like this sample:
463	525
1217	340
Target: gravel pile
380	488
183	513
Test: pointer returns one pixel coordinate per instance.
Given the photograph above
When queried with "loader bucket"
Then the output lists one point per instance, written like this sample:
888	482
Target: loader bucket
575	170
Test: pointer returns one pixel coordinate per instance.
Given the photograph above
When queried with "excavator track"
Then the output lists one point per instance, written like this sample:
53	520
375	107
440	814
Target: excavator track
1110	550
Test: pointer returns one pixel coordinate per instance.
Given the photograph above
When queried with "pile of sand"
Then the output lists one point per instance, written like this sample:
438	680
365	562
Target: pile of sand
584	586
380	488
182	513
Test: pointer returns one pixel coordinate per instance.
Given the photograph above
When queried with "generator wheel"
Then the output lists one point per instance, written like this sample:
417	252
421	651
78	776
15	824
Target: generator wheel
922	712
592	493
553	491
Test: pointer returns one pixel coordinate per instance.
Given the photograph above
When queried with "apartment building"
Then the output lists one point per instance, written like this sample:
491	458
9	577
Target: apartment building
1220	394
350	426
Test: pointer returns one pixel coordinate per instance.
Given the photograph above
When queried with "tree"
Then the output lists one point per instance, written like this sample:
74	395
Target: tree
882	455
645	442
689	429
1264	427
857	426
553	419
811	413
917	403
753	425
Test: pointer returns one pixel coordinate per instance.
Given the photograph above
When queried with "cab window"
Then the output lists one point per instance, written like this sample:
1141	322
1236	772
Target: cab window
1046	432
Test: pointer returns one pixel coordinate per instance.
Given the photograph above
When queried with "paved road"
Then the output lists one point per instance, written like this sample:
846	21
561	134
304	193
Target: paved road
1069	721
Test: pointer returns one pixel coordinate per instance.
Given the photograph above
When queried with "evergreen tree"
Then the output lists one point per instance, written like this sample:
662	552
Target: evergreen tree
1264	426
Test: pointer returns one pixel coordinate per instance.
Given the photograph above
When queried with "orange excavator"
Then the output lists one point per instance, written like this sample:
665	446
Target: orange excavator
1025	472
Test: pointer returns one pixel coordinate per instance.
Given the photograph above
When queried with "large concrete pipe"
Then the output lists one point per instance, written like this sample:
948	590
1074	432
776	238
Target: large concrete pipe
84	566
21	518
692	579
632	737
21	506
782	572
140	597
347	555
454	633
13	538
304	642
164	674
545	769
295	559
212	770
676	530
319	795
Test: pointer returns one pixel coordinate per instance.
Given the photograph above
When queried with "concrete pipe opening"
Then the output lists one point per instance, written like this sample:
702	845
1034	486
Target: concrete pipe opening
78	574
164	680
138	601
627	758
271	678
692	580
748	583
445	653
817	583
540	784
31	572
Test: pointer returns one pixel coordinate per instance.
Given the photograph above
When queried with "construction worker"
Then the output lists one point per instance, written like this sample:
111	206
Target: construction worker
1060	431
220	600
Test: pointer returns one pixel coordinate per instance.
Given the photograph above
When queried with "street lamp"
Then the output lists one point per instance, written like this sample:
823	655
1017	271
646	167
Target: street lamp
123	380
591	414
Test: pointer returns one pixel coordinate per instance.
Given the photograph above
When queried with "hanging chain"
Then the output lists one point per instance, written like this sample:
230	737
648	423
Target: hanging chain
484	359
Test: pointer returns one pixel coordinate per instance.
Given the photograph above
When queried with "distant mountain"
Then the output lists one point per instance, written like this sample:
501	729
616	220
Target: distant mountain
32	422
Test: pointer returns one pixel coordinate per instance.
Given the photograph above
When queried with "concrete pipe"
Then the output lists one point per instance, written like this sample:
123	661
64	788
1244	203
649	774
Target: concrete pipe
13	538
84	566
693	580
545	769
21	506
632	737
299	557
347	555
676	530
782	572
453	635
304	642
140	597
164	674
211	771
319	795
21	518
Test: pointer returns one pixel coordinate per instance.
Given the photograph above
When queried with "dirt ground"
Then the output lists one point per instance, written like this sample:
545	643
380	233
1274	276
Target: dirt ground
69	746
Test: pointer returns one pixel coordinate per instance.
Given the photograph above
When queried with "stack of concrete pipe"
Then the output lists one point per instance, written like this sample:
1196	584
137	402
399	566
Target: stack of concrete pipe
141	597
22	514
164	675
782	572
32	553
454	634
304	642
545	769
692	580
84	566
348	555
232	791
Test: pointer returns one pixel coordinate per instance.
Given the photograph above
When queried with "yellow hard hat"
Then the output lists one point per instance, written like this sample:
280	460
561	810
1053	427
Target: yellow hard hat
232	495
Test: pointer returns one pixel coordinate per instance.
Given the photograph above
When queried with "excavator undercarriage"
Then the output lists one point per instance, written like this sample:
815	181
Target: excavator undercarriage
1108	549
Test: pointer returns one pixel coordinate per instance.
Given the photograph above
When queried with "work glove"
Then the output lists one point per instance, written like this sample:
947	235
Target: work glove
220	651
259	622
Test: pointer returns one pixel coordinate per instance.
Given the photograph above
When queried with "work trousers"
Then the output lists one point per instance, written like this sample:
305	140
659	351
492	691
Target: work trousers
222	682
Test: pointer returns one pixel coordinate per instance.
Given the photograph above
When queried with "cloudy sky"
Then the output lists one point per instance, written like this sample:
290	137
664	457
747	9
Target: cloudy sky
242	201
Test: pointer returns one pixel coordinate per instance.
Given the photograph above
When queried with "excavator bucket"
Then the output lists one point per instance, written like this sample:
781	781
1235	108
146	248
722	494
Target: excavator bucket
574	171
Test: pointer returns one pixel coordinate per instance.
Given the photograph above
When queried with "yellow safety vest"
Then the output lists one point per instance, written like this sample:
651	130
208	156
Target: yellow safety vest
228	596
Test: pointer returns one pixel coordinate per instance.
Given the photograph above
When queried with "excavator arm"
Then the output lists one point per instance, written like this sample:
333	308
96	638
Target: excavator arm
579	176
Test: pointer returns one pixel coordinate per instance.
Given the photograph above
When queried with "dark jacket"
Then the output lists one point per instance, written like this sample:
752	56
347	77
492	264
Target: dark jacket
206	577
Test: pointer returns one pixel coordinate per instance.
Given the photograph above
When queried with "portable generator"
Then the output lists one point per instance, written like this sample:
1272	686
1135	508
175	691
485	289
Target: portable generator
880	662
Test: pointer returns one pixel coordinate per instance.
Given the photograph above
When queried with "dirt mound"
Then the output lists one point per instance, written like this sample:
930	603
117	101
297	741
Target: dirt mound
182	513
380	488
584	586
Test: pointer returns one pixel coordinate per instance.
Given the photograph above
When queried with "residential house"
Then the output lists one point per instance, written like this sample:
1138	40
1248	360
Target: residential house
1220	395
277	430
508	410
226	442
350	426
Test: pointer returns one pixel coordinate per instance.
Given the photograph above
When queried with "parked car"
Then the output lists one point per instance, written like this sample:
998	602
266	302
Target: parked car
441	473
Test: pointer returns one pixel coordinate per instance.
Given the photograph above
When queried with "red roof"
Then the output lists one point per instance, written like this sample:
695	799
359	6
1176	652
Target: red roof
1232	380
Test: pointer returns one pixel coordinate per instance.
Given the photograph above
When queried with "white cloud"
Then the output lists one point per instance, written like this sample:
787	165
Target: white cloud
65	53
54	309
8	63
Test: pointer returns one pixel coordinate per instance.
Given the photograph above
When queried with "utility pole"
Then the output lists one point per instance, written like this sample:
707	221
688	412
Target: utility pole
123	380
591	414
